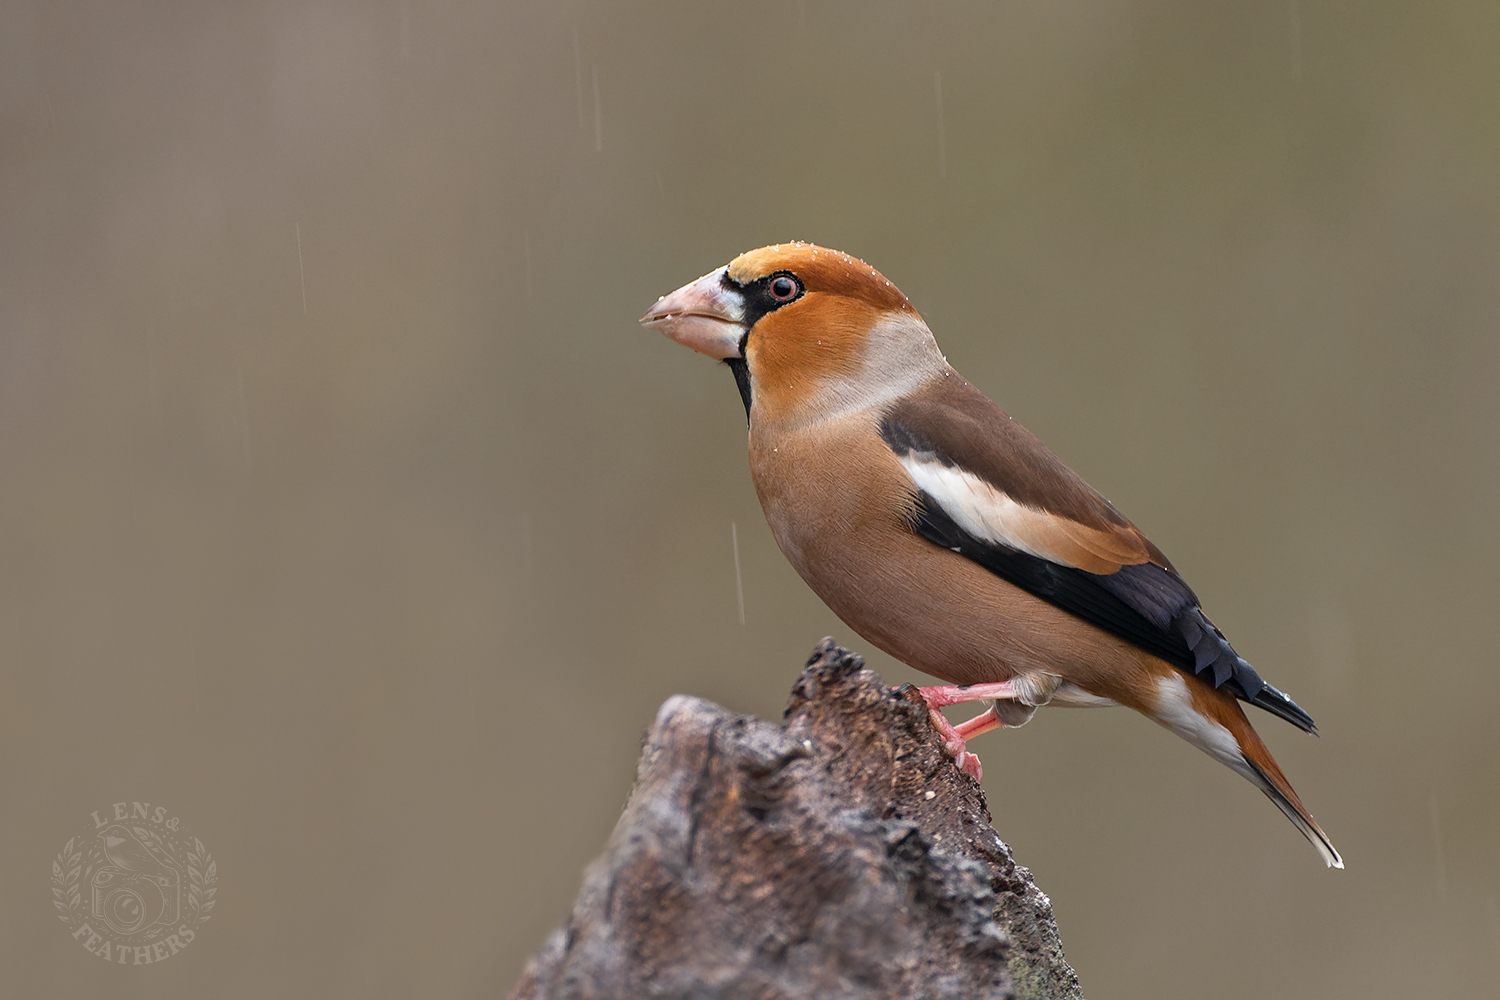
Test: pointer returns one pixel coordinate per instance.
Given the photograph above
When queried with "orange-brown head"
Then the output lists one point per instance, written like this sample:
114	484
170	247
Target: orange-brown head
808	331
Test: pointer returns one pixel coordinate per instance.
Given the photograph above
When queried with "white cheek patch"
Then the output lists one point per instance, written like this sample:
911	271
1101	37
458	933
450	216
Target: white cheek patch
1174	709
979	508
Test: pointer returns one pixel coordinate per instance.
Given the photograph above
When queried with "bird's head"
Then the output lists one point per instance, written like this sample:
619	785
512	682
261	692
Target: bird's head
806	330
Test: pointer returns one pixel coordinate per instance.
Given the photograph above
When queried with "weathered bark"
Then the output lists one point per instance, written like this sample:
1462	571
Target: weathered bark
839	855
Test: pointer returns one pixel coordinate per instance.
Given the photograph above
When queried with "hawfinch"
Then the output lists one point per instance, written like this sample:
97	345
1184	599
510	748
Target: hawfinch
947	534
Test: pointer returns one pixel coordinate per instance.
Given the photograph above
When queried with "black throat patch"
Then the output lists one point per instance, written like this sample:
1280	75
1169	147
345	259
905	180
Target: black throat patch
741	369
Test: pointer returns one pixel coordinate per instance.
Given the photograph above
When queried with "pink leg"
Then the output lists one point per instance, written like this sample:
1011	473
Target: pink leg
956	737
979	724
937	697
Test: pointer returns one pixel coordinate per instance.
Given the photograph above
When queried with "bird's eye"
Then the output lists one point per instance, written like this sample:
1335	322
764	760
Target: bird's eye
784	288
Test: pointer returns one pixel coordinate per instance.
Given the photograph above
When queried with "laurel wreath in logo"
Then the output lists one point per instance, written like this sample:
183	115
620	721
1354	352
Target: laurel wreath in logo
68	869
203	877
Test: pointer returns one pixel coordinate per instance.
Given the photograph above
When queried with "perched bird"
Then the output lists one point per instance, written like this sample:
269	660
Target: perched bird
948	535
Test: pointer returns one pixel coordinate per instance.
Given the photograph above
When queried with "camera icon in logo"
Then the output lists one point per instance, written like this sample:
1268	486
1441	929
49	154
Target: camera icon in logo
141	886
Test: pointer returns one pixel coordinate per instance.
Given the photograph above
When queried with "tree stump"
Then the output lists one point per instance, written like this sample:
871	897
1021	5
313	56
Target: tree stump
839	855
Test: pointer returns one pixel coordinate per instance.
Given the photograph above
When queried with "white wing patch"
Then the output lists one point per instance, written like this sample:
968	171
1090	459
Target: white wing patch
982	510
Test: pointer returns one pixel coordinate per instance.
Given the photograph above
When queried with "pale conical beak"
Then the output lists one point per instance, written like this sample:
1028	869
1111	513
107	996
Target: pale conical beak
703	315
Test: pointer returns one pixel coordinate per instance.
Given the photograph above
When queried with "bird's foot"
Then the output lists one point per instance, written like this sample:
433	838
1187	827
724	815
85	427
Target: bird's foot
955	739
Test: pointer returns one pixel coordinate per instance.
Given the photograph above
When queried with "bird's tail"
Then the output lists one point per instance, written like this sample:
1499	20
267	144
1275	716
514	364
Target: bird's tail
1263	772
1211	720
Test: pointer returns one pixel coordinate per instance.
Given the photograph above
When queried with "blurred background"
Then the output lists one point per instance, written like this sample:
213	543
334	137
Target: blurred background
348	513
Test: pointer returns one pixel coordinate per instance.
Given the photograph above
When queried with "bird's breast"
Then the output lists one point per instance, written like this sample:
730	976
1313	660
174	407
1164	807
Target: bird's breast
830	492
